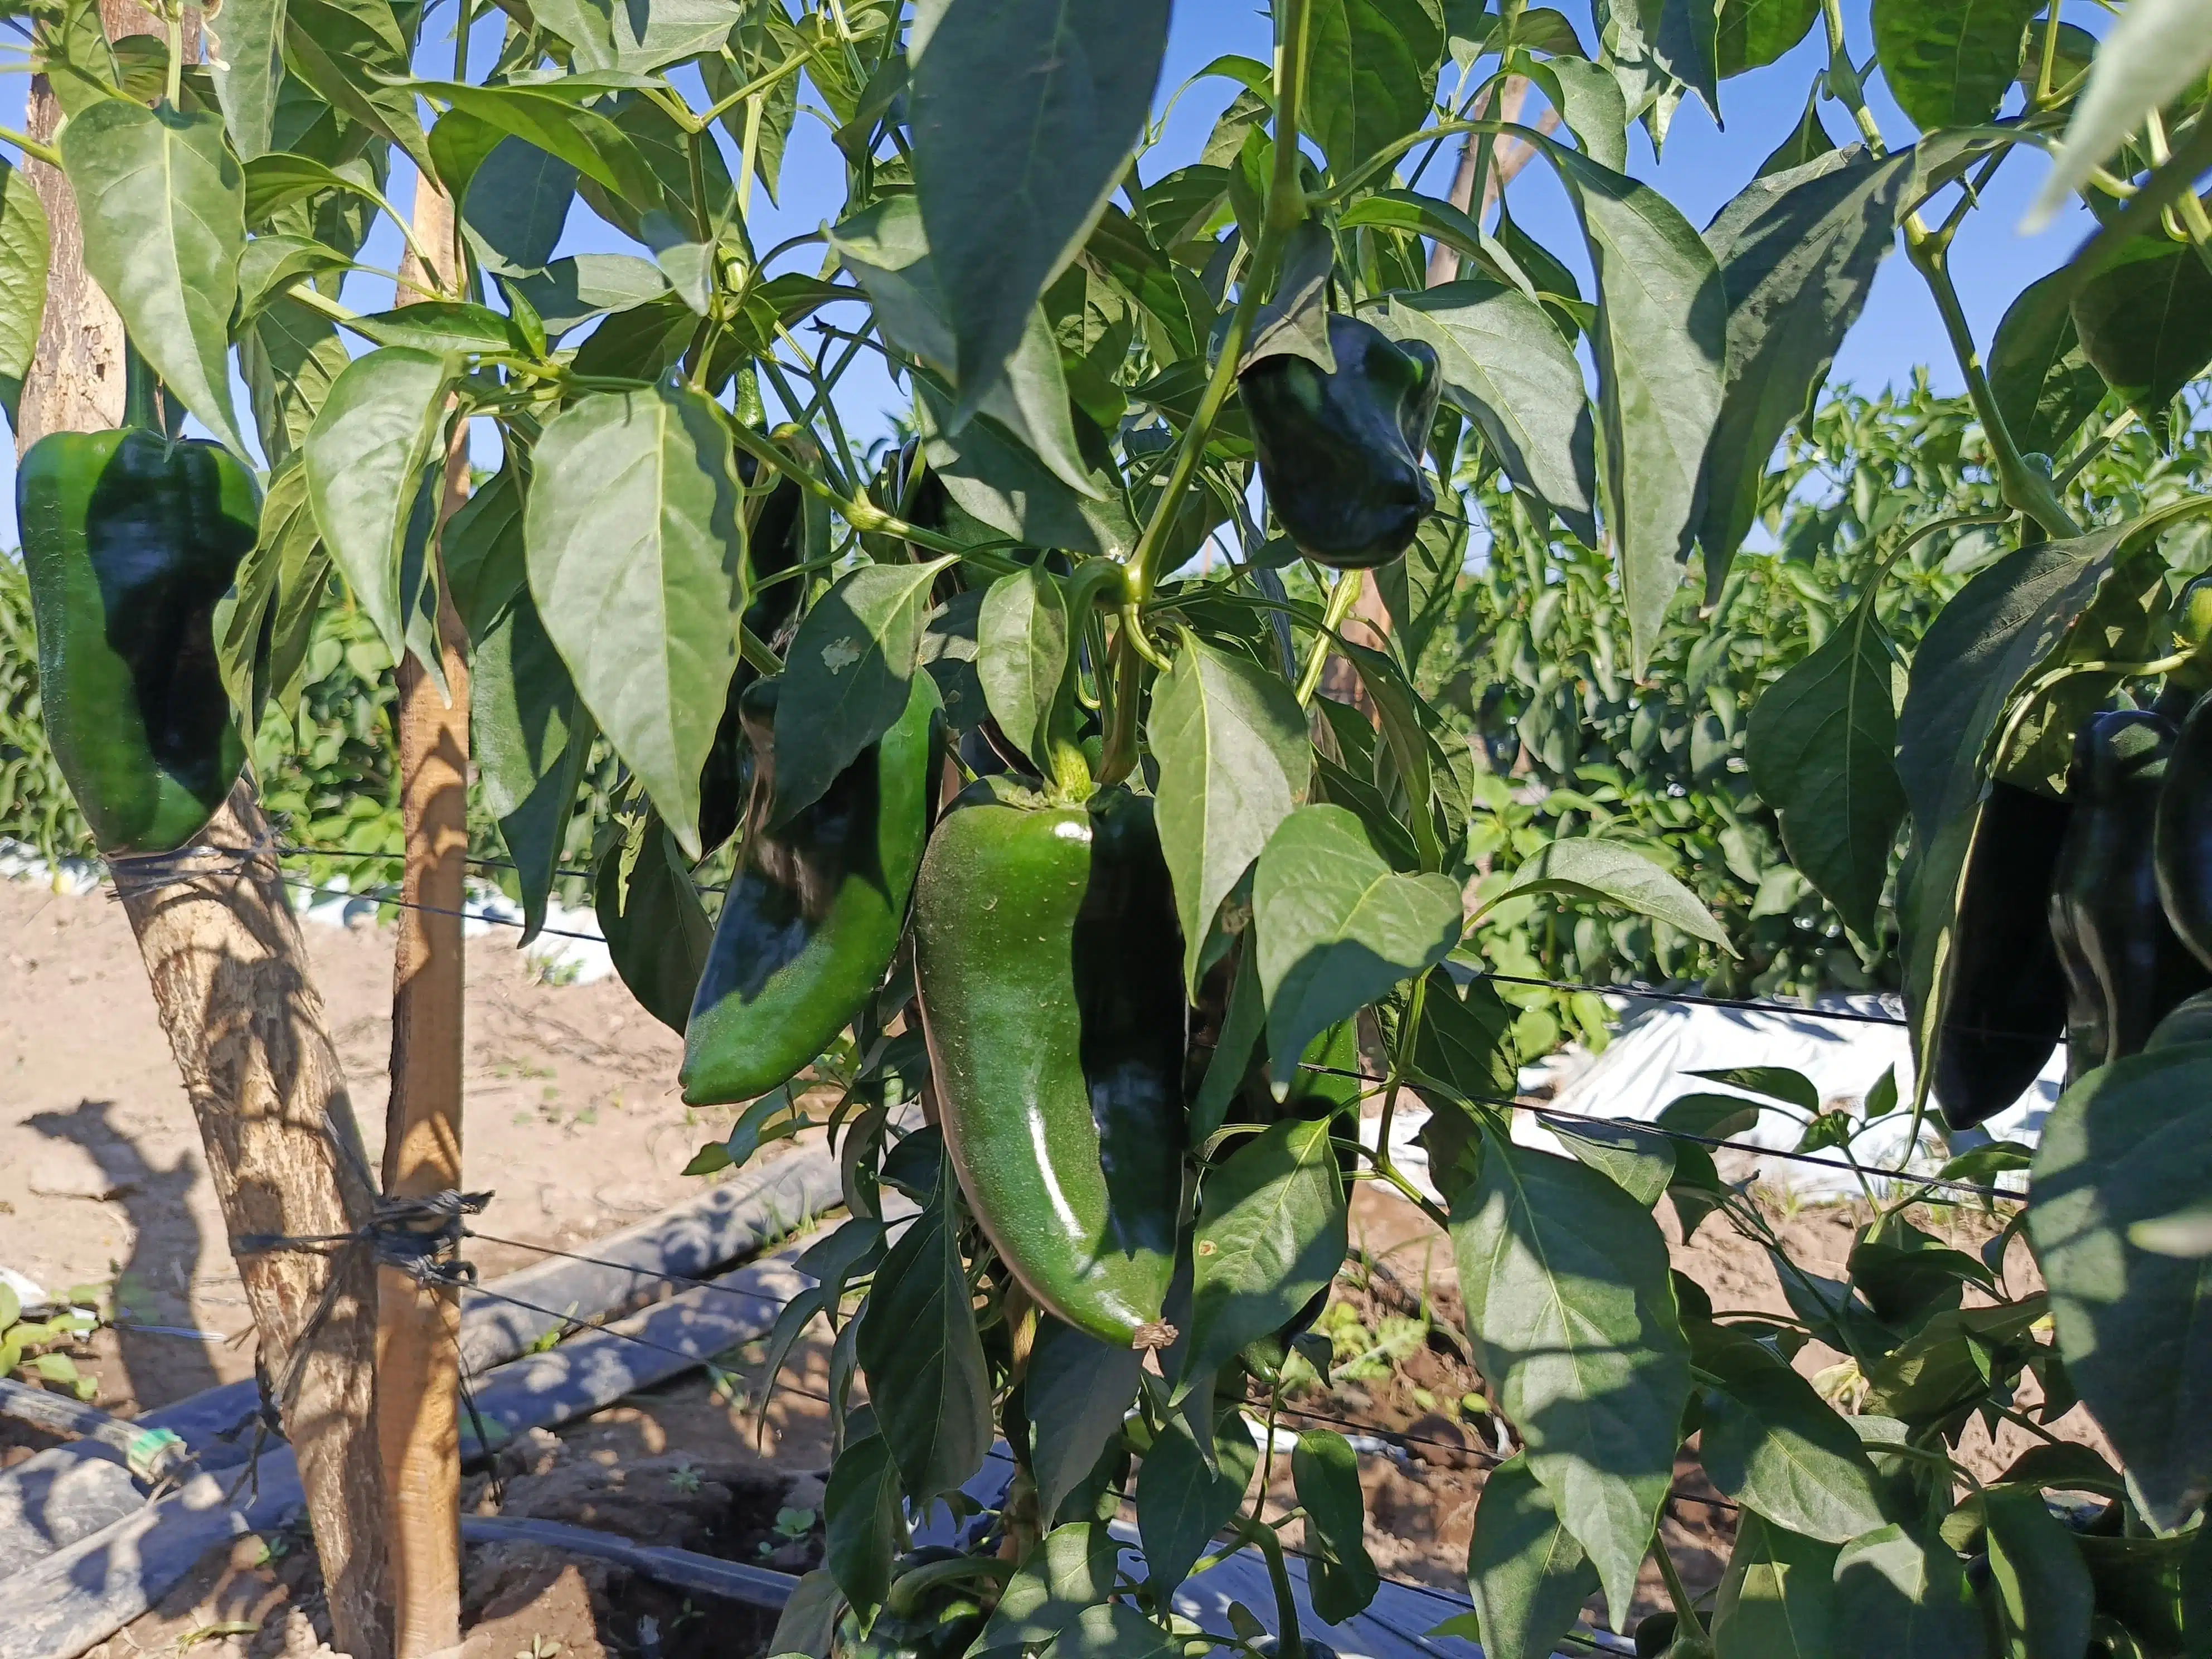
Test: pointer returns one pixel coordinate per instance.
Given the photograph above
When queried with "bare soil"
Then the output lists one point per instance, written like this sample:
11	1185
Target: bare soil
573	1117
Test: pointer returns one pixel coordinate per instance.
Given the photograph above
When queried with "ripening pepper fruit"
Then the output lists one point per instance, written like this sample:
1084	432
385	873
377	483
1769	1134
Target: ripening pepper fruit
129	540
1048	967
1340	453
814	911
2126	967
2006	1007
776	542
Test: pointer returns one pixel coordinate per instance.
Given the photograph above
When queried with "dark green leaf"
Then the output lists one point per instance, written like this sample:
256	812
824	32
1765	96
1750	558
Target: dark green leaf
2044	1594
1114	1630
348	50
1661	345
2145	321
1635	1159
1465	1040
517	205
1241	1023
1716	1116
1338	927
530	743
1798	251
289	358
486	563
162	207
1821	746
271	263
1774	1445
1809	141
1071	1568
2129	1143
1904	1599
1754	33
365	454
1779	1083
23	250
1527	1575
1023	117
924	1362
1948	62
1234	759
1370	67
439	325
2044	383
846	675
1777	1599
1182	1503
656	931
1609	873
1574	1321
1589	99
1340	1576
636	562
1506	369
252	53
1077	1391
571	292
1271	1235
551	115
276	180
1021	656
861	1523
998	483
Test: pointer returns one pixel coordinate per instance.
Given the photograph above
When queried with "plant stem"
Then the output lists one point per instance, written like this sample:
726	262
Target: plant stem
1341	597
31	147
1869	127
1288	1643
1677	1591
2032	492
172	15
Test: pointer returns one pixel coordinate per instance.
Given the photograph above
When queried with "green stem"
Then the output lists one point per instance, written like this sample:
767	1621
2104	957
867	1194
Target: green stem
1869	129
1686	1610
2032	492
1341	597
31	147
1289	1645
759	83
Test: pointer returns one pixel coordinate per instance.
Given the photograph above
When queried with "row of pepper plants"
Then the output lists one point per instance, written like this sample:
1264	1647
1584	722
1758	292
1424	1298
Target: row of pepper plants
1128	966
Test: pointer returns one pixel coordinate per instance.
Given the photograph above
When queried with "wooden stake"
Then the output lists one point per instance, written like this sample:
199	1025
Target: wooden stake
230	985
418	1334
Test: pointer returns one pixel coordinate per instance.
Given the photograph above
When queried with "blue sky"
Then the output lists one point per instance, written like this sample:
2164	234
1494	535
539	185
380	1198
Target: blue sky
1702	167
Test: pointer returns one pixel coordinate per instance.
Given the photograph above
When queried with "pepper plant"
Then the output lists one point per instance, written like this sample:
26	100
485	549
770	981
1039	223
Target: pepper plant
1102	1012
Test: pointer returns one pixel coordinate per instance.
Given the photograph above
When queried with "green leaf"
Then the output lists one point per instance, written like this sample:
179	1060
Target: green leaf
637	563
1661	345
1072	1569
1807	141
656	931
1821	746
846	676
1182	1503
350	51
530	744
1639	1161
886	250
1077	1392
1021	656
23	250
162	207
571	292
1338	927
1608	873
1948	62
1340	1576
2145	321
1241	1023
289	357
639	39
1271	1235
2129	1143
1782	1083
2043	1593
252	52
1371	66
1024	117
2153	52
1506	369
549	114
276	180
1115	1629
996	479
1573	1316
1589	99
440	325
1772	1444
1797	252
2044	383
1716	1116
1777	1599
1755	33
273	262
486	563
1527	1575
918	1347
1234	759
1465	1040
517	205
1904	1599
860	1520
366	454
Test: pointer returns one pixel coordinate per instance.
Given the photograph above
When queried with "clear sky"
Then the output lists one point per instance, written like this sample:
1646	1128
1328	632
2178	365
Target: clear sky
1702	167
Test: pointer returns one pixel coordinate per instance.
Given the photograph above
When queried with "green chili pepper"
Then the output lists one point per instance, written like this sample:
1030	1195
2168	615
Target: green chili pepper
129	540
2182	844
813	915
2006	1008
1340	453
2126	967
1048	968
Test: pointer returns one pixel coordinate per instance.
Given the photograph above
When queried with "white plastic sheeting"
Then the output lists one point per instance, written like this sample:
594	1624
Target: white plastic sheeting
1659	1046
